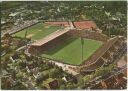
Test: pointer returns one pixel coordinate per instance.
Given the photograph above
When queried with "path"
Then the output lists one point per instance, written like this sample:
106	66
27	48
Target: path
66	67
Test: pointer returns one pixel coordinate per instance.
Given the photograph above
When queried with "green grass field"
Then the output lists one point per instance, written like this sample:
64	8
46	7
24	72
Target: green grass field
71	51
37	31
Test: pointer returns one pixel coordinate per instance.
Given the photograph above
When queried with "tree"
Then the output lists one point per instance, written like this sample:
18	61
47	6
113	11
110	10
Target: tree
104	70
104	13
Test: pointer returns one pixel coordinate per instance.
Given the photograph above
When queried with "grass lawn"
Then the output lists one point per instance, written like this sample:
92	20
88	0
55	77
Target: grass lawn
37	31
70	52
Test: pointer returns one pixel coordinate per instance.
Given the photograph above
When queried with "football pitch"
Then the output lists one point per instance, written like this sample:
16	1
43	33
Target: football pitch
71	51
37	31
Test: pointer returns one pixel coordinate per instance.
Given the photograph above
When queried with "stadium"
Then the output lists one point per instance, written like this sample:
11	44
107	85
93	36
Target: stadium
63	45
81	45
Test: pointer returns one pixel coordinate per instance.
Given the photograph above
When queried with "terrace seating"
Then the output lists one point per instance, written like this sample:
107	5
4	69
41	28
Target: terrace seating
89	35
95	58
58	23
85	24
100	51
79	24
121	51
97	64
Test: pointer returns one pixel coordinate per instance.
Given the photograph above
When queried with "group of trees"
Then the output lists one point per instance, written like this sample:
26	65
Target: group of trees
18	69
109	16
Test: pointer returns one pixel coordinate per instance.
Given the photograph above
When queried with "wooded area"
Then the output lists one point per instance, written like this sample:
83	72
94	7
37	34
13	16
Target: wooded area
111	17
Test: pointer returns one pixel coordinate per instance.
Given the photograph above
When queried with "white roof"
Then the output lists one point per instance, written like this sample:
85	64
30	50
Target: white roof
50	37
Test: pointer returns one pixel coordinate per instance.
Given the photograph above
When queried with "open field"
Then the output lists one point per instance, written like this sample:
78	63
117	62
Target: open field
70	51
37	31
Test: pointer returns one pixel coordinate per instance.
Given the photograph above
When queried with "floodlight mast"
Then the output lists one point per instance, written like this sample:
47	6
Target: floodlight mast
82	43
25	33
25	37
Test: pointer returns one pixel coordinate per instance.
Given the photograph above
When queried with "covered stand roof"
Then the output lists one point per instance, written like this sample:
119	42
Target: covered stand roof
50	37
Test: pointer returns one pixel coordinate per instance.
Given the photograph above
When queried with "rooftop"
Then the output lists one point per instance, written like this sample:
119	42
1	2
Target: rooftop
50	37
